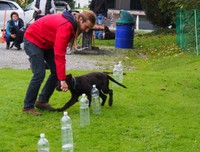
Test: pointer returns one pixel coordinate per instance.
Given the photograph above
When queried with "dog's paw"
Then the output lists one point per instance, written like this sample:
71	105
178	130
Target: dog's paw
110	103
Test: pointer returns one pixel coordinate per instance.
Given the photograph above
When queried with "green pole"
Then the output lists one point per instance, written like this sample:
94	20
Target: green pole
180	30
196	35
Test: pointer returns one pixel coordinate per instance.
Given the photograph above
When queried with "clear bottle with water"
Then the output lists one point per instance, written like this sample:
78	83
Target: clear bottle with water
43	144
115	72
66	133
120	71
84	111
96	107
115	75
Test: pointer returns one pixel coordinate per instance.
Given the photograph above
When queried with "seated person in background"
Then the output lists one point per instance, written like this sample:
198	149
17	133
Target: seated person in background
13	26
43	7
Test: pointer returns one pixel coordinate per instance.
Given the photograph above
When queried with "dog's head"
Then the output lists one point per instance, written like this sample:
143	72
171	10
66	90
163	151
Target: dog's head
69	81
13	30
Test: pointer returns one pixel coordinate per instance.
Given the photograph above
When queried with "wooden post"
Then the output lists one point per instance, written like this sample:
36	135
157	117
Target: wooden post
4	29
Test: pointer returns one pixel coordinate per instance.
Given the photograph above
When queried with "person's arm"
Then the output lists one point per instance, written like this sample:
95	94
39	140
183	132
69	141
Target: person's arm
105	8
21	23
63	36
91	6
8	28
53	7
35	8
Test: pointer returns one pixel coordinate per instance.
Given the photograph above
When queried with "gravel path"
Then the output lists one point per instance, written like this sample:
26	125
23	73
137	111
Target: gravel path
18	59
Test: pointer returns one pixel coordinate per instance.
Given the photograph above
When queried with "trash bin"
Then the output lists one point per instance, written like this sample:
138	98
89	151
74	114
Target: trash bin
124	30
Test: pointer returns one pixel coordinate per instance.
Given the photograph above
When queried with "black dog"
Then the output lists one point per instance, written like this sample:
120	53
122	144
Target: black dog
108	34
19	37
83	84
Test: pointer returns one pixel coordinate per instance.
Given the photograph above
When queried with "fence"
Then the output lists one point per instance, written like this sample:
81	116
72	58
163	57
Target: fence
188	30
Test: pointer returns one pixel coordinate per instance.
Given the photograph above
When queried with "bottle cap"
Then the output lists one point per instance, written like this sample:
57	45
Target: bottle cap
65	113
83	95
42	135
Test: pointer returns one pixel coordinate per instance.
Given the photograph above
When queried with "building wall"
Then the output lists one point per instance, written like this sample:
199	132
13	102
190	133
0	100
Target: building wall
122	4
125	4
81	3
114	4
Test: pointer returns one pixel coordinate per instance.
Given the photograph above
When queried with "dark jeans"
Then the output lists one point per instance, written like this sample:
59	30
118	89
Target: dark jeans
8	39
98	33
37	58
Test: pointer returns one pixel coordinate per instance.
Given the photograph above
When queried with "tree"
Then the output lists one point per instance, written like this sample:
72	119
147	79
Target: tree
159	12
162	13
187	4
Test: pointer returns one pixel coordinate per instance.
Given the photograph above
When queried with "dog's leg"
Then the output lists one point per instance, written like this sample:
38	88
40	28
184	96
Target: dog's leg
103	97
12	44
89	98
72	101
110	102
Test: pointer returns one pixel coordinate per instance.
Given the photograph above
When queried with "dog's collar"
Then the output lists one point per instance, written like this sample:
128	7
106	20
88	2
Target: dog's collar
74	83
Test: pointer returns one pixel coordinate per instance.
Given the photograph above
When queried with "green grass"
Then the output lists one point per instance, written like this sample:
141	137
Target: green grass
158	112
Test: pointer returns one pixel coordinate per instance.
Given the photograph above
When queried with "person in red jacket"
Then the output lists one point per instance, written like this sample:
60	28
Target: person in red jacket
45	42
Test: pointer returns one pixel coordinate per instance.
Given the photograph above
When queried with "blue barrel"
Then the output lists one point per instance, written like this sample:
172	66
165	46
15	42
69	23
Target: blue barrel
124	36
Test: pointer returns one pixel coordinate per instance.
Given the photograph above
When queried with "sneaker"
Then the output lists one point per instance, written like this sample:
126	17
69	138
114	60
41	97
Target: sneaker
31	111
19	48
43	106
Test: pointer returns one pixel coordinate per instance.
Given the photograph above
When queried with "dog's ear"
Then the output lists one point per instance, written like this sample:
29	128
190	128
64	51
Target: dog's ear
69	79
69	76
58	87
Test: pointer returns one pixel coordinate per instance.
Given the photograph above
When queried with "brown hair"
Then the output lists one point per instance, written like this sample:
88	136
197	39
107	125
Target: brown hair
14	13
86	15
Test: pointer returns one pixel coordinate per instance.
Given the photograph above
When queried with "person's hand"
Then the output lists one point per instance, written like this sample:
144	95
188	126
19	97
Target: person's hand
13	36
38	11
63	86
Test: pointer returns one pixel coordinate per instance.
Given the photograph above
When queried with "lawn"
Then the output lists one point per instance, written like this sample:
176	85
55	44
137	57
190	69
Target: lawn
159	111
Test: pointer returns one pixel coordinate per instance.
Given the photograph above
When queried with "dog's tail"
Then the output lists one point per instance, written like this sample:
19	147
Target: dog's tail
113	80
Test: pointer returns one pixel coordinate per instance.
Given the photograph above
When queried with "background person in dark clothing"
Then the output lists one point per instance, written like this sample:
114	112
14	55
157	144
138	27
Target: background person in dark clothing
100	8
43	7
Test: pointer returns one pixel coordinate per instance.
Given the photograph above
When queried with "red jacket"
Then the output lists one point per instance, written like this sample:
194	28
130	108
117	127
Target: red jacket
52	32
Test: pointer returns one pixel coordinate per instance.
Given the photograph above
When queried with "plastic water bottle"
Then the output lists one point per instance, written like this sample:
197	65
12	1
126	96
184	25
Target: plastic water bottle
100	19
115	75
120	72
66	133
43	144
84	111
96	108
